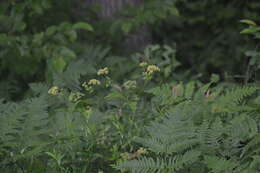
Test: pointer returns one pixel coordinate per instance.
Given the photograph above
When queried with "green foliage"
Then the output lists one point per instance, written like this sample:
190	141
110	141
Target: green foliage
70	127
89	120
254	59
195	136
128	21
207	35
93	110
206	32
26	50
149	13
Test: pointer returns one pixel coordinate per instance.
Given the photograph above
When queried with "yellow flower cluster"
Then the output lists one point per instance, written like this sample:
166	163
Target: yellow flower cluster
94	82
129	84
54	90
89	86
142	150
151	69
143	64
74	97
103	71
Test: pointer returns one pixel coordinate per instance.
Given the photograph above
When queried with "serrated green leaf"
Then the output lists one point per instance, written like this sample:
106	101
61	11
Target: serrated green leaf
250	30
214	78
167	71
3	38
251	53
83	25
51	30
174	11
114	95
58	64
133	106
189	90
249	22
126	27
67	53
72	34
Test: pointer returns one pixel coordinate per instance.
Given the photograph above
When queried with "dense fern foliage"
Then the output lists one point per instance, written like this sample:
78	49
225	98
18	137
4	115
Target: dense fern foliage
216	131
87	121
69	126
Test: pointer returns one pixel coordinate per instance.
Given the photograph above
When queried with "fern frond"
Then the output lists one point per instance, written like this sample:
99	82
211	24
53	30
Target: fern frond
252	146
219	165
39	88
163	95
94	54
143	165
243	127
189	90
24	122
232	99
256	162
71	77
150	165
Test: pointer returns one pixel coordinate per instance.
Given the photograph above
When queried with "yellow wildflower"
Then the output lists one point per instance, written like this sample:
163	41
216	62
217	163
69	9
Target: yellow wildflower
151	69
142	150
94	82
143	64
74	97
103	71
54	90
125	155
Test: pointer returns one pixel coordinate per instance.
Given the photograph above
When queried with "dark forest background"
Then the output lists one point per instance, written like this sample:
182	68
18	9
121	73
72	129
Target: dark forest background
205	34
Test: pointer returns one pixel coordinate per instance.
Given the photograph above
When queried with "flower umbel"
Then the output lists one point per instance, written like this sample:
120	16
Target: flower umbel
74	97
94	82
142	150
151	69
103	71
143	64
54	90
89	87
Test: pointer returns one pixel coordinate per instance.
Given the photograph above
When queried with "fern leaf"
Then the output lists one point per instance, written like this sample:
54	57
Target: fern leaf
219	165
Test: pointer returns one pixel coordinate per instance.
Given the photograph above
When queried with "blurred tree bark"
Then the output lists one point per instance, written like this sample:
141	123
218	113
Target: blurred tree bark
110	7
133	41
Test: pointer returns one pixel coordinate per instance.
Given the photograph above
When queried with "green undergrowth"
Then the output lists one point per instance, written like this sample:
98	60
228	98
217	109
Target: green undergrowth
93	123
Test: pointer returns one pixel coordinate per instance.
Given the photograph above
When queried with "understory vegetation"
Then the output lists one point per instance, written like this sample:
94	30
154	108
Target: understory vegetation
157	86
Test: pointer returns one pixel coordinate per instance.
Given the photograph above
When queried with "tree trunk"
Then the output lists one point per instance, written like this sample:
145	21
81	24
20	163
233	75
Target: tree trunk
110	7
134	41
